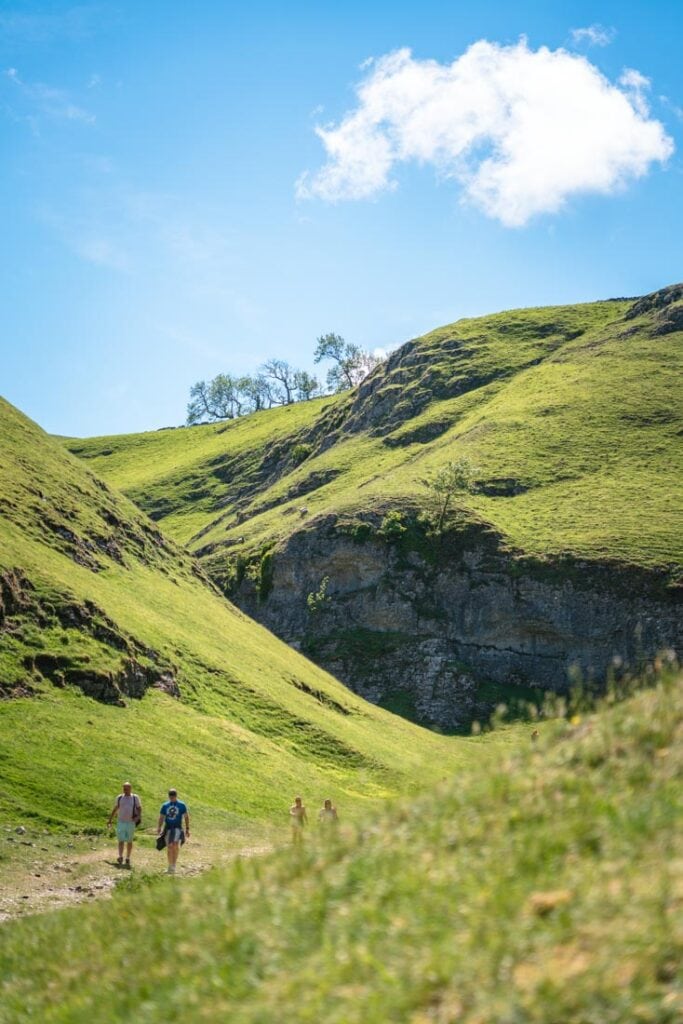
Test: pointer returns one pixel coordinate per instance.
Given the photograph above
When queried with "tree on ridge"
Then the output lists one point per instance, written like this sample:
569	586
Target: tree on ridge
352	364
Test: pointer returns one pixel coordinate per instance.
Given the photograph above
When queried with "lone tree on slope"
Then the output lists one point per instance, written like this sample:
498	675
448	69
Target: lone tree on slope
456	477
352	364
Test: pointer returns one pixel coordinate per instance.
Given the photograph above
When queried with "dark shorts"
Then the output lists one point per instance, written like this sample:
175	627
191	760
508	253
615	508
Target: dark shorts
174	835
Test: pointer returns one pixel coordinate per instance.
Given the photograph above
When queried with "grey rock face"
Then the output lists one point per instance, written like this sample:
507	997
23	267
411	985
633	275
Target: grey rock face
436	638
665	309
131	680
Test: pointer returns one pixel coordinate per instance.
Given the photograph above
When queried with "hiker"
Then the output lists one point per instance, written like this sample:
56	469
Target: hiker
128	811
327	814
170	826
298	817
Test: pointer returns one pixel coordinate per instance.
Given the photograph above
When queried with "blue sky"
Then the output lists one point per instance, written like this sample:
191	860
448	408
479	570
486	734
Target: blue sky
152	228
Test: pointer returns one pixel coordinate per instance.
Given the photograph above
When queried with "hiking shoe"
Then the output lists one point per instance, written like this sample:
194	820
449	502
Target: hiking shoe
119	862
127	864
170	870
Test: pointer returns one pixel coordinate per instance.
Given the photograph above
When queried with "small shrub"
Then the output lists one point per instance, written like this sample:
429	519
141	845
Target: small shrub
234	574
253	573
393	526
317	600
266	575
260	572
359	531
300	453
362	532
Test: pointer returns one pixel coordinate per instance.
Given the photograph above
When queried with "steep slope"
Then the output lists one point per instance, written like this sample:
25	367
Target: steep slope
567	554
548	888
117	656
188	478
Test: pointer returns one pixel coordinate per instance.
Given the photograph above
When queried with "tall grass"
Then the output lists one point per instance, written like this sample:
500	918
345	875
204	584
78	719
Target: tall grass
545	889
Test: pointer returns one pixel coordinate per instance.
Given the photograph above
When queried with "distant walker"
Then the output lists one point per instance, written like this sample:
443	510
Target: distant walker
172	814
298	818
128	811
327	815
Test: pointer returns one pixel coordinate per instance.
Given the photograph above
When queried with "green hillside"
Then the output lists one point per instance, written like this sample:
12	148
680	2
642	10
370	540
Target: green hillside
574	454
96	603
547	889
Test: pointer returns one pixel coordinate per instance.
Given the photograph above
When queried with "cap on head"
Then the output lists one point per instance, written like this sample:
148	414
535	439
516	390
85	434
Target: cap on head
173	792
127	785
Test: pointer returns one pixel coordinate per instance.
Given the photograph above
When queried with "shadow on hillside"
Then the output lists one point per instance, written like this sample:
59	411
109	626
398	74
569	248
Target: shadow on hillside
493	703
496	704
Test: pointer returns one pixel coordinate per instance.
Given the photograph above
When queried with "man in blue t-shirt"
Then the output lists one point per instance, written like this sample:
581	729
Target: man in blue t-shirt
170	824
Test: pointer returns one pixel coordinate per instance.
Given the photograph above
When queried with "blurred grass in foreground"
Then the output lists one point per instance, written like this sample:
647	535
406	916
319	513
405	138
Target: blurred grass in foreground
548	888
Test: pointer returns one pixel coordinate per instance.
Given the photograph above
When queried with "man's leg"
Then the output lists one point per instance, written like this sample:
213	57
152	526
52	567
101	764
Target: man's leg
120	858
172	849
129	850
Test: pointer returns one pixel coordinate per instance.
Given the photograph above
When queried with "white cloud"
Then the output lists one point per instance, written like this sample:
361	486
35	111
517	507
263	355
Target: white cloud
520	130
50	102
593	35
673	107
636	85
632	79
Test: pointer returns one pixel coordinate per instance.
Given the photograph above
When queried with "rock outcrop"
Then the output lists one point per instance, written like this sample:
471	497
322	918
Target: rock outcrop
441	629
73	627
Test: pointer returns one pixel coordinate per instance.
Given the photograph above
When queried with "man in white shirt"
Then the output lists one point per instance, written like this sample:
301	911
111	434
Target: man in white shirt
128	811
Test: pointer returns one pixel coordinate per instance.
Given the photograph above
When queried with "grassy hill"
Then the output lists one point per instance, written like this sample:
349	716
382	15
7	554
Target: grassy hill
548	888
96	603
574	454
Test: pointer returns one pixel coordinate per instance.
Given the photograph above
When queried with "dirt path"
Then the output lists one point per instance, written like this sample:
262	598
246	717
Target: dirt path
41	872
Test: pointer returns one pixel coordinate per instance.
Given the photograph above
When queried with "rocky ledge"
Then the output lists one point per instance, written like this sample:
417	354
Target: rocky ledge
72	632
441	629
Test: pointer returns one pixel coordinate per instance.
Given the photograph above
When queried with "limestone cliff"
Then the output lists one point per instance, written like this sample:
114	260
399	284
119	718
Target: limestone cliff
442	628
